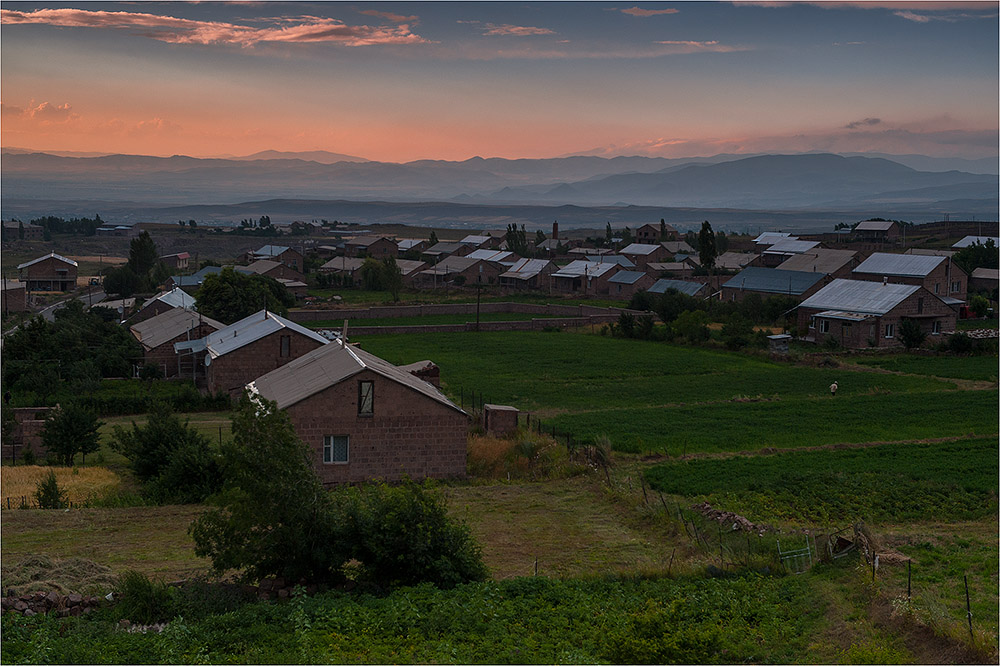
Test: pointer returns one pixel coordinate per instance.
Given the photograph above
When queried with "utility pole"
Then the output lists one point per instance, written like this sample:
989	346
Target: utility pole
479	289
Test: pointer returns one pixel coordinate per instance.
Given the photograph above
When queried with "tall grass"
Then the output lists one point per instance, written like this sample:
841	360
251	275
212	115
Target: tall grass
80	483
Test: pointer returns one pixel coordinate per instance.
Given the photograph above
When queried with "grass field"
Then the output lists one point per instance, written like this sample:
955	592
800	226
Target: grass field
972	324
416	296
427	320
80	483
978	368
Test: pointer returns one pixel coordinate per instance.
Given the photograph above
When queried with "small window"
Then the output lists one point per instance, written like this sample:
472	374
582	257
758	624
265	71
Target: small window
286	346
336	449
824	326
936	328
920	306
366	398
937	287
956	286
890	330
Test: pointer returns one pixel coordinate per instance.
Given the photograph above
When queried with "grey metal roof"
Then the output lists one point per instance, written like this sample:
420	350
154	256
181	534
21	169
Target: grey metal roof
773	280
476	239
250	329
525	269
862	296
790	246
930	253
491	255
175	298
641	248
845	316
903	265
769	237
408	243
874	225
624	262
985	274
258	267
323	367
580	268
683	286
444	248
677	246
50	255
342	264
973	240
365	241
197	278
407	266
626	277
734	260
818	260
669	266
166	326
271	251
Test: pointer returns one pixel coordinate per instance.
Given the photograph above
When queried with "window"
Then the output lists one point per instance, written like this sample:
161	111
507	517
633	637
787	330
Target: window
890	330
824	326
956	285
286	346
336	449
920	306
937	287
936	328
366	398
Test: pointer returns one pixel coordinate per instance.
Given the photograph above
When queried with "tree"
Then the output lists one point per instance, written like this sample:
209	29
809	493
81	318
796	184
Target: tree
663	229
122	281
910	334
70	429
736	331
539	237
608	235
706	246
371	274
977	255
517	241
142	254
691	325
979	305
20	230
192	224
48	494
230	296
433	240
392	277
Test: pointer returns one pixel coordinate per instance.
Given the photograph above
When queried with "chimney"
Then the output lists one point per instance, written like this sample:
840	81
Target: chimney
555	231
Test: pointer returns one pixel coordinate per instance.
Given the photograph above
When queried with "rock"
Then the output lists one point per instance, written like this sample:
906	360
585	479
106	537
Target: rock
266	584
29	613
124	624
76	610
312	589
20	606
62	612
7	603
278	583
53	598
283	593
74	599
264	596
86	610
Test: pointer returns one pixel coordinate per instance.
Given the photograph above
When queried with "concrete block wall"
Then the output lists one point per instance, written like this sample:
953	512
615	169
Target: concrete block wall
231	372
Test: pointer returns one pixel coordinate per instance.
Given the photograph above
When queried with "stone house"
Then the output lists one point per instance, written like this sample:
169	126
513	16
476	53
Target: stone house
158	334
939	275
623	284
529	274
51	272
772	281
376	247
271	269
364	418
859	313
482	241
779	252
280	253
12	231
681	269
164	302
585	277
178	262
192	283
411	245
441	250
460	271
343	266
985	278
409	268
877	231
641	254
650	233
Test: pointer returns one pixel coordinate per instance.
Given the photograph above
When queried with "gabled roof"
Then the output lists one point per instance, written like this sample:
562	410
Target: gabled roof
580	268
329	365
491	255
408	243
166	326
444	248
734	260
860	296
791	246
250	329
525	269
930	253
595	251
677	246
640	248
626	277
669	266
343	264
624	262
875	225
365	241
50	255
773	280
175	298
985	274
195	279
179	255
259	267
549	244
818	260
683	286
771	237
476	239
973	240
902	265
271	251
407	266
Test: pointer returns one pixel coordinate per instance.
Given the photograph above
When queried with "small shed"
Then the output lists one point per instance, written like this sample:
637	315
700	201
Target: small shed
778	344
500	419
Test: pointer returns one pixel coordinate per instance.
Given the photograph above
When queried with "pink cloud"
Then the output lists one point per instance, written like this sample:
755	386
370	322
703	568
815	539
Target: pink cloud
688	46
45	113
638	11
516	30
389	16
185	31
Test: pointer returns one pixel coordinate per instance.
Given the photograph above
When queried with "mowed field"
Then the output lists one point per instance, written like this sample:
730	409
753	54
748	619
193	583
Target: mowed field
656	397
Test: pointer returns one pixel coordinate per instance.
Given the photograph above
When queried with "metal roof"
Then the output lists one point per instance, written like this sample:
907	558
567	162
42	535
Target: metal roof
258	267
343	264
329	365
166	326
641	248
491	255
626	277
478	240
669	266
271	251
365	241
250	329
791	246
624	262
769	237
677	246
50	255
444	248
580	268
408	243
684	286
874	225
985	274
407	266
862	296
818	260
734	260
845	316
903	265
773	280
981	240
525	269
930	253
175	298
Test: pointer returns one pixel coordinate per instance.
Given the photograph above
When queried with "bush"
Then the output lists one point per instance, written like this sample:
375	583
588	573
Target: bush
910	334
143	601
660	635
960	343
737	332
48	494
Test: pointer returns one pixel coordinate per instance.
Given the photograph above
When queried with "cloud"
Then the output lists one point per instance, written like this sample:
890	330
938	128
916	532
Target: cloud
638	11
44	113
516	30
867	122
185	31
389	16
688	46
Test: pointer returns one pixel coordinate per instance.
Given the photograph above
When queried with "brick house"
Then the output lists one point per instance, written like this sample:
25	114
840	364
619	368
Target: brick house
411	245
623	284
15	297
682	269
584	277
777	253
12	231
343	266
164	302
376	247
484	242
409	268
877	231
178	262
459	270
158	334
441	250
286	255
529	274
52	272
641	254
364	418
192	283
249	348
835	263
939	275
858	313
650	233
772	281
272	269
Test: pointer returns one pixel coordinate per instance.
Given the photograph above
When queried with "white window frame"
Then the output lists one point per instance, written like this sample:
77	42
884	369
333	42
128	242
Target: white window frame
890	331
936	327
956	286
824	325
329	442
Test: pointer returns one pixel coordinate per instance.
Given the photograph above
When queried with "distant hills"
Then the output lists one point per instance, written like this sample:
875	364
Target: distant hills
857	185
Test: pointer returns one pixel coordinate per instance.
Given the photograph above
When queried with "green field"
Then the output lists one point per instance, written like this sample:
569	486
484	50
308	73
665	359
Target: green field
978	368
892	483
427	320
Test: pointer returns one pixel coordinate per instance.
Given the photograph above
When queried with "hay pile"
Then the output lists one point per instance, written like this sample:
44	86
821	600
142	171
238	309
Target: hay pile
38	573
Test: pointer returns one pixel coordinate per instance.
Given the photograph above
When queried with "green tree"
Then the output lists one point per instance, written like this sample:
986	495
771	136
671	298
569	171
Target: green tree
392	277
663	229
192	224
230	296
539	237
70	429
737	331
977	255
910	334
979	305
517	241
706	246
122	281
48	494
273	517
433	240
372	274
608	235
691	325
20	230
142	254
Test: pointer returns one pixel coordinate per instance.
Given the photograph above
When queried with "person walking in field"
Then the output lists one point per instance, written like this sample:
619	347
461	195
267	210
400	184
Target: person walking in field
833	389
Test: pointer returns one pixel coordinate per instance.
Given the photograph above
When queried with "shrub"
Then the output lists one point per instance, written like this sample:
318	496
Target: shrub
71	429
960	343
736	332
143	601
48	494
910	334
692	325
659	635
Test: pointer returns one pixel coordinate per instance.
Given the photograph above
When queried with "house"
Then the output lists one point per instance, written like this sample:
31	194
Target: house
836	263
121	307
734	261
642	253
687	287
877	231
409	268
482	242
15	298
777	252
52	272
343	266
459	270
984	278
624	262
177	262
683	268
296	288
164	302
590	251
528	274
411	245
678	247
271	269
771	237
235	355
363	418
859	313
651	233
939	275
772	281
969	241
15	230
624	284
493	255
299	227
376	247
585	277
158	334
192	283
442	250
286	255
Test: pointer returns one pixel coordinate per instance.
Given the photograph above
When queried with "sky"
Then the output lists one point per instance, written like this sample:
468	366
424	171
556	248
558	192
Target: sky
453	80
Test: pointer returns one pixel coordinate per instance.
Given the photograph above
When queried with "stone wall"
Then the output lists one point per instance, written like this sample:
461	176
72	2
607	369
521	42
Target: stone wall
231	372
393	311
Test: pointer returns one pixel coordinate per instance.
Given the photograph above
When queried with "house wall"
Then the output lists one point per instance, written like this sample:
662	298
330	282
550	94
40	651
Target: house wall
940	281
164	355
409	434
660	254
49	275
626	291
14	300
231	372
290	258
283	271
